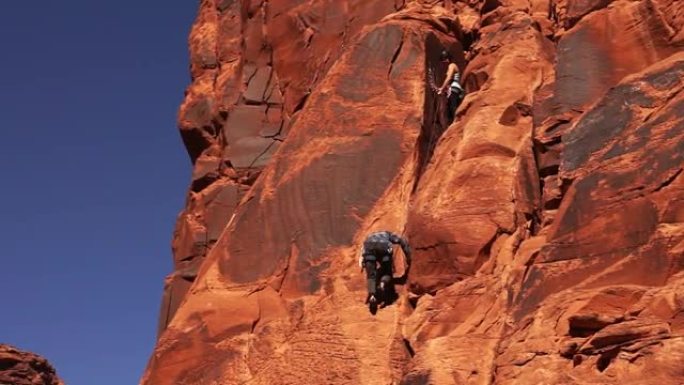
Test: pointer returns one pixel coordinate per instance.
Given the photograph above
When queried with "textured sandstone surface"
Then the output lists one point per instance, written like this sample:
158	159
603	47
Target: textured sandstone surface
23	368
547	220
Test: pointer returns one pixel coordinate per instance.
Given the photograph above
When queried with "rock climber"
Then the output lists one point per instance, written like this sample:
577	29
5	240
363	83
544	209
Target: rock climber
451	85
376	257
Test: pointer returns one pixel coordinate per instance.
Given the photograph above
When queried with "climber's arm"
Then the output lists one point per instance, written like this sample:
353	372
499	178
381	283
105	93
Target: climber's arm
363	251
404	246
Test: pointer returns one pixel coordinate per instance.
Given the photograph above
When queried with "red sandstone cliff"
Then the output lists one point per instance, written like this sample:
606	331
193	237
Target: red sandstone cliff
23	368
547	220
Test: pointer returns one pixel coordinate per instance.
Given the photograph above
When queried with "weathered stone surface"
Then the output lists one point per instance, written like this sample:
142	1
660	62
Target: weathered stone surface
253	66
476	161
22	368
613	229
624	158
546	221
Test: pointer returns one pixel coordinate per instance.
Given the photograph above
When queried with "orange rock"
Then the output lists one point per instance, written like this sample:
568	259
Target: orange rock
23	368
545	221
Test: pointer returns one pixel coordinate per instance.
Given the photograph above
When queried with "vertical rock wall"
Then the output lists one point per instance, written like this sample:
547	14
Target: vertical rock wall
545	220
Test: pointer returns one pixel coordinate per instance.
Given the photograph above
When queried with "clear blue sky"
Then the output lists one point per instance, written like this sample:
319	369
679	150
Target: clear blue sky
93	175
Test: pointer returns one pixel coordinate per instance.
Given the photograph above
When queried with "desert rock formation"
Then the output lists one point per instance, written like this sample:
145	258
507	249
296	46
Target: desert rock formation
547	220
23	368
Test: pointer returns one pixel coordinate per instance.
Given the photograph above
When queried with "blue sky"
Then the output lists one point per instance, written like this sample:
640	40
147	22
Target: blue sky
93	175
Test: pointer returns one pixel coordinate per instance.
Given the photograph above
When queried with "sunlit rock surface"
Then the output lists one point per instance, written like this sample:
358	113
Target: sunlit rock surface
23	368
547	220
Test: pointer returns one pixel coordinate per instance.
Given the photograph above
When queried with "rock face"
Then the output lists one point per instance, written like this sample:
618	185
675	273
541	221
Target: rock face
547	220
22	368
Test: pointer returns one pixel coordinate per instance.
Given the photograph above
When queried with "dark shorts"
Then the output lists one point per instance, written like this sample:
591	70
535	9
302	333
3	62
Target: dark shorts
455	99
371	263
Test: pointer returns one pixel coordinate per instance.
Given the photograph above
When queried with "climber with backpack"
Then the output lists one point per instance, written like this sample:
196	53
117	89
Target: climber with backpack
451	85
376	258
